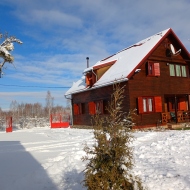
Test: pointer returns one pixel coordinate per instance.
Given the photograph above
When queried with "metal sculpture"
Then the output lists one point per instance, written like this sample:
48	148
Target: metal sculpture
5	49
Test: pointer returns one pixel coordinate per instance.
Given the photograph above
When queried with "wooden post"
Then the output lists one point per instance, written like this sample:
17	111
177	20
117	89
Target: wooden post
176	108
9	127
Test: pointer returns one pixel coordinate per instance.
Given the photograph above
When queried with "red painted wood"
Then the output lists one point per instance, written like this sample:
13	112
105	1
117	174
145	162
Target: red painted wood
158	104
92	107
143	85
58	123
9	127
156	69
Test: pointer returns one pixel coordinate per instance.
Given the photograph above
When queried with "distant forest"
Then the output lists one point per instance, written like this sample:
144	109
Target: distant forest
27	110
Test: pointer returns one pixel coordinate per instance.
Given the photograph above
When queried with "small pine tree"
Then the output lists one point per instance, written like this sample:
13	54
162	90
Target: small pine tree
110	160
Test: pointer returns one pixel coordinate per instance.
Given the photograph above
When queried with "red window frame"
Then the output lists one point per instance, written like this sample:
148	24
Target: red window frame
91	108
76	109
96	107
153	69
145	107
79	109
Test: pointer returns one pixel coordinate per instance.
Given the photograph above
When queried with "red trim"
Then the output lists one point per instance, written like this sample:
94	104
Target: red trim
170	31
108	57
156	69
9	127
76	109
158	103
182	104
105	64
92	107
140	105
59	123
181	44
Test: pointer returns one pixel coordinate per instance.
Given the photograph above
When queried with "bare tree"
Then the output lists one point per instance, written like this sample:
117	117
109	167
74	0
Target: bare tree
49	102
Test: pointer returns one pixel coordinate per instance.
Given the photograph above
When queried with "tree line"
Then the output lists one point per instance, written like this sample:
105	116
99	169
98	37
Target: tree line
34	110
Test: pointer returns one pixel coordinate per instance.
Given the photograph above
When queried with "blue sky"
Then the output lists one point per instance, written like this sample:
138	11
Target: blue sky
58	35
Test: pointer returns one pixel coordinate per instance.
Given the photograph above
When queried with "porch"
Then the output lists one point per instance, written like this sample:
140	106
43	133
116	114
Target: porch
176	109
170	117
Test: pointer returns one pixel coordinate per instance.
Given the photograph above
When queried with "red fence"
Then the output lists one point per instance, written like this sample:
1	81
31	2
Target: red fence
59	121
9	127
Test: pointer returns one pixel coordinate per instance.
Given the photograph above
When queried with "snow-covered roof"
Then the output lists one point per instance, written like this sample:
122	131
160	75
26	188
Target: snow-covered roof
127	60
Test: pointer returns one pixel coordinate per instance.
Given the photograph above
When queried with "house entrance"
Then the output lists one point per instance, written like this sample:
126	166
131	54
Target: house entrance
176	108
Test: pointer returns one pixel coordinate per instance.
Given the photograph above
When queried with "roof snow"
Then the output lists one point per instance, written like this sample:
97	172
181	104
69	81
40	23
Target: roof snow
126	61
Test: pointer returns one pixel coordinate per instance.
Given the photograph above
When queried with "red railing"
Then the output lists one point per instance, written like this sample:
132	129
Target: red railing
56	121
182	116
9	127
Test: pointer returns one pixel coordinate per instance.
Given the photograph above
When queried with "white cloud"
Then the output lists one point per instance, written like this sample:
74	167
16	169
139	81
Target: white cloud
59	35
49	19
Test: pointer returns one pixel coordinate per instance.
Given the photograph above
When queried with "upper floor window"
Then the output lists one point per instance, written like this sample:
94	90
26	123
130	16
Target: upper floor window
153	69
178	70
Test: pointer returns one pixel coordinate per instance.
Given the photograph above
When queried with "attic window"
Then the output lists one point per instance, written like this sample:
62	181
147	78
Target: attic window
153	69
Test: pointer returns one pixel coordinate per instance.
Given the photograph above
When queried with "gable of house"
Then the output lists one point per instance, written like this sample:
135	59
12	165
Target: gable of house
122	65
156	71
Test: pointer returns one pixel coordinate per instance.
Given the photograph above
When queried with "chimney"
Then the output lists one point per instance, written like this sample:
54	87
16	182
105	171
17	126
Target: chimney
87	59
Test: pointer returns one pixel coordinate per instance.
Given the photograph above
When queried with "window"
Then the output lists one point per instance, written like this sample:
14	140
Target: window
153	69
76	109
183	71
179	103
178	70
172	70
96	107
149	104
105	106
79	108
82	108
99	107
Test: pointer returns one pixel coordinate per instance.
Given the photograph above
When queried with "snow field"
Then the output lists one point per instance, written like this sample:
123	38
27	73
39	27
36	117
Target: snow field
44	158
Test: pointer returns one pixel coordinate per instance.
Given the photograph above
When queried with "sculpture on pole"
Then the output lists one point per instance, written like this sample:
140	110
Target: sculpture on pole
5	49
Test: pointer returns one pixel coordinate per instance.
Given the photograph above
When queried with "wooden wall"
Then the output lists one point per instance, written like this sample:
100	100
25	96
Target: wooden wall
103	93
143	85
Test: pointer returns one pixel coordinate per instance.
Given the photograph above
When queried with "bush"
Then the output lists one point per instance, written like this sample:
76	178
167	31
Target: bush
110	160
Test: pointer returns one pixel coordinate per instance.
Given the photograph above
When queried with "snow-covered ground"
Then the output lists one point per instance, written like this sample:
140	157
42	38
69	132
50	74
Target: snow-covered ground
44	158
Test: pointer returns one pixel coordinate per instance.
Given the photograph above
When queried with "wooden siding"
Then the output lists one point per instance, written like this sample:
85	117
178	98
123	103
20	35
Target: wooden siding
139	85
143	85
103	93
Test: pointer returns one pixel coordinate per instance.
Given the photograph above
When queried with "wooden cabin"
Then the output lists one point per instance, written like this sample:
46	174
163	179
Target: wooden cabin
156	75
